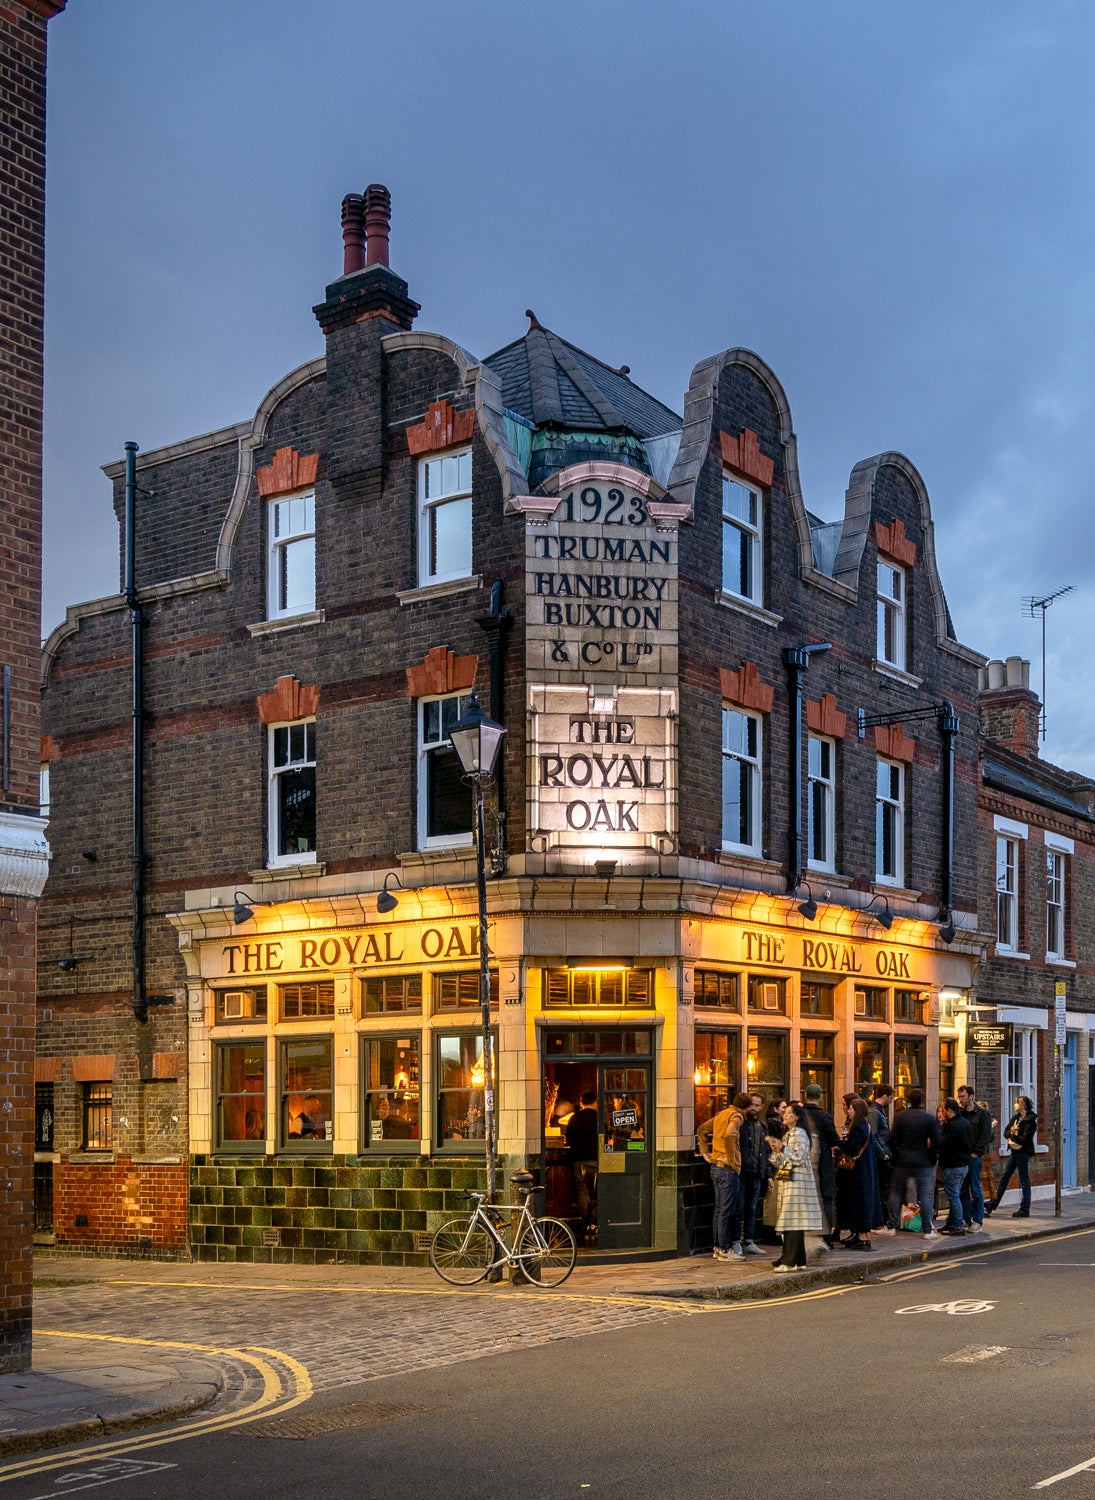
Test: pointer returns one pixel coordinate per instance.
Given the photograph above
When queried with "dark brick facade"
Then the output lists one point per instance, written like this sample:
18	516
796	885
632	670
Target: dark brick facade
22	841
1044	811
672	903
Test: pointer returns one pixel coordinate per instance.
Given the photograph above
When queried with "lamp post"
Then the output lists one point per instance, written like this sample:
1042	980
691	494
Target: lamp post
477	740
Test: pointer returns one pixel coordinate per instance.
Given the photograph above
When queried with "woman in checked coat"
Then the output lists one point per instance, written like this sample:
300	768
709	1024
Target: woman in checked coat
797	1205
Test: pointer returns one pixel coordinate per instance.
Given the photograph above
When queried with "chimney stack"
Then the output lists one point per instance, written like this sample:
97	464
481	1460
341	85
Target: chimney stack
353	233
1010	712
378	221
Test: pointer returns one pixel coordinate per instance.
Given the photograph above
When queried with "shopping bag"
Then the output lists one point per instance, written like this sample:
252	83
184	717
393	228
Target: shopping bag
910	1218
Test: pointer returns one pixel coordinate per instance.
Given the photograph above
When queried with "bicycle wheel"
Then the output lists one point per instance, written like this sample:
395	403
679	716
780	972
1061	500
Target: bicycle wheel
546	1250
461	1251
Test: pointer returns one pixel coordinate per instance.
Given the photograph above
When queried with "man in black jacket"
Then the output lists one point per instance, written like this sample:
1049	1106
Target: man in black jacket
755	1152
954	1162
828	1136
914	1142
980	1122
879	1121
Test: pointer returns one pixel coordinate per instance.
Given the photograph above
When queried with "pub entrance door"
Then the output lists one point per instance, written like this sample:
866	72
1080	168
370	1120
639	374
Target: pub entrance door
607	1196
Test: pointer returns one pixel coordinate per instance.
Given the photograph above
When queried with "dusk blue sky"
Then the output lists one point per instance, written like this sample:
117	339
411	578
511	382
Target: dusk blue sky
891	203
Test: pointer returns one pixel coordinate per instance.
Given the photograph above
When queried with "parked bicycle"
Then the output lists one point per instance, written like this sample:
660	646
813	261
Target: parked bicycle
465	1250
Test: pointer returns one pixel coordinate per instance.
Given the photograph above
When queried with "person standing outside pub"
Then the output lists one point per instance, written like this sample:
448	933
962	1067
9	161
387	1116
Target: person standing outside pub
914	1142
719	1143
980	1123
755	1152
582	1140
879	1120
828	1137
956	1141
1019	1134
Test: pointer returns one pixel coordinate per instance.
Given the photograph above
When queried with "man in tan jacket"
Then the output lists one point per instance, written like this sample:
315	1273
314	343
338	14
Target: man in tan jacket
719	1143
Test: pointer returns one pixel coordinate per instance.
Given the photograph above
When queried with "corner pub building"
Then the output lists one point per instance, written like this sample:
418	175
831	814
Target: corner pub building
732	837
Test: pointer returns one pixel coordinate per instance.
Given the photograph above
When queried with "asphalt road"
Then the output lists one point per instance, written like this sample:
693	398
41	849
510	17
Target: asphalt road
969	1377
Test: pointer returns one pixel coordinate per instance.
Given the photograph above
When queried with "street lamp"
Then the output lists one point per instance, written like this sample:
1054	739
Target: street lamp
477	740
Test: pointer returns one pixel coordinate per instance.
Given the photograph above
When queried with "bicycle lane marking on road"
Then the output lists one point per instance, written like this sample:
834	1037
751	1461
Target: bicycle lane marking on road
260	1359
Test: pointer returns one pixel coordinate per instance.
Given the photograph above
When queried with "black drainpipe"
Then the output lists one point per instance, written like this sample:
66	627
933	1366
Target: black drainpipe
496	623
797	661
948	730
133	604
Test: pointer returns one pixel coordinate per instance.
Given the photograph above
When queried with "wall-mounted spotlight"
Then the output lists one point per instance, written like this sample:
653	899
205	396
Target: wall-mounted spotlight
807	908
91	855
385	901
884	918
947	931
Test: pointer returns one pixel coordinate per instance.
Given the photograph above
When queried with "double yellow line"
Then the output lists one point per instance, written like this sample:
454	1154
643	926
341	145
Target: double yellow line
278	1394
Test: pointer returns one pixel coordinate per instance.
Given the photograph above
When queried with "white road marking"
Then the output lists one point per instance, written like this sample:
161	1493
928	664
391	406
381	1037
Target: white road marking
1044	1484
962	1307
974	1354
110	1471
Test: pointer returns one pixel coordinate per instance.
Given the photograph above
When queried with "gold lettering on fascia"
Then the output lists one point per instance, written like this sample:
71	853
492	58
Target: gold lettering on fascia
823	956
351	950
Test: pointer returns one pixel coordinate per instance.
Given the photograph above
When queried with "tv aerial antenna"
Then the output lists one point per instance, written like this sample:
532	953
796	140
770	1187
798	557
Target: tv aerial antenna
1032	607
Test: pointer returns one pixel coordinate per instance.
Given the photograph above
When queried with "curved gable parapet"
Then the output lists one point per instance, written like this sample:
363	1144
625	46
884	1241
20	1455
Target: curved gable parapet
859	502
248	442
488	400
699	432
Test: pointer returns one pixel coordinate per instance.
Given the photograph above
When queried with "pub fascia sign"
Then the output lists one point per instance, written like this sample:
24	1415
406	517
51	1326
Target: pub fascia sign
825	956
316	952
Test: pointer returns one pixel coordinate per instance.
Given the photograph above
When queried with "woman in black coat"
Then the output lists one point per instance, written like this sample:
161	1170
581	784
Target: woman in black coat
857	1189
1019	1134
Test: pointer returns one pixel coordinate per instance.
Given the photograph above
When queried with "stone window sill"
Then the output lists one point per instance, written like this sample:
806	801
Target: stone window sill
886	669
287	622
747	607
440	590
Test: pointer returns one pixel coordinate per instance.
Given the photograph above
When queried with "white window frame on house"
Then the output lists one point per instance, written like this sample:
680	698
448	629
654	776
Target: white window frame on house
1007	893
433	740
742	539
889	822
1056	882
820	803
299	754
291	555
444	517
1059	852
1018	1071
891	588
742	748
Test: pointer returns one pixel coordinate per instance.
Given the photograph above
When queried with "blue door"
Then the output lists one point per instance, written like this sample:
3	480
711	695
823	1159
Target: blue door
1068	1113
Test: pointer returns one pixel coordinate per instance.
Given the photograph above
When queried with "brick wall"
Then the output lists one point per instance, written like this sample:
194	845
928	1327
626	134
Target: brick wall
22	212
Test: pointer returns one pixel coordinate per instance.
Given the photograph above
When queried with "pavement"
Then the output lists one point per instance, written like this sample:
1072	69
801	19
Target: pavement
79	1389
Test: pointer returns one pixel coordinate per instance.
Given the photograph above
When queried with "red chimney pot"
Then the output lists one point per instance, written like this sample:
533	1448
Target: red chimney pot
378	219
353	233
